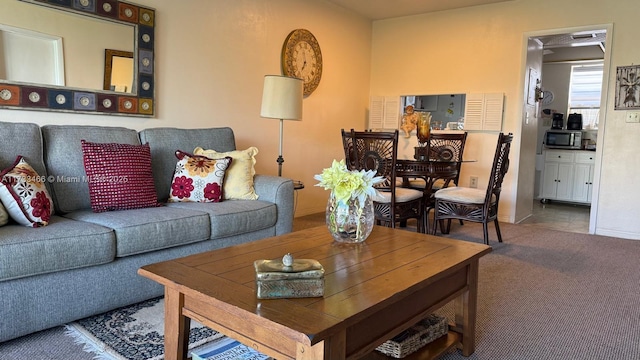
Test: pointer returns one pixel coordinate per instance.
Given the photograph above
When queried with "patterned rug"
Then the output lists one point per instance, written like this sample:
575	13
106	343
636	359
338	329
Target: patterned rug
135	332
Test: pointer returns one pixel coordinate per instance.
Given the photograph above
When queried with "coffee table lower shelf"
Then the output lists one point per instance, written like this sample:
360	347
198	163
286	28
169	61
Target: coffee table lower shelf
432	350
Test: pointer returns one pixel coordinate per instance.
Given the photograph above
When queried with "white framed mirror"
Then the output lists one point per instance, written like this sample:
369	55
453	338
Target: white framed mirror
86	29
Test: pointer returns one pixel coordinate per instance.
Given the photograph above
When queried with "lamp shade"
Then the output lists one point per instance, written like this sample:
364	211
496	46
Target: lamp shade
282	98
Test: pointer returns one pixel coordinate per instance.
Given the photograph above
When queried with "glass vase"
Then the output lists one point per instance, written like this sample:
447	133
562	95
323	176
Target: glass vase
423	128
350	222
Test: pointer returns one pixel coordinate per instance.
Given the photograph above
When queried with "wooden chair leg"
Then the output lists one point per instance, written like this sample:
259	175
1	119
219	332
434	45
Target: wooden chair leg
425	220
435	224
498	230
485	229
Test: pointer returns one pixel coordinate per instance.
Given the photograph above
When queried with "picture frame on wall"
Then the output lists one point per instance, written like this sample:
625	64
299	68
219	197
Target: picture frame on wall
627	87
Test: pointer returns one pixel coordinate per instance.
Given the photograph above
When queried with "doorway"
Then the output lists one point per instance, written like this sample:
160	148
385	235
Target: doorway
561	49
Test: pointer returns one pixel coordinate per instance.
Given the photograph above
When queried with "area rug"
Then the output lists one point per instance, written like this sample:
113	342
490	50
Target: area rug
135	332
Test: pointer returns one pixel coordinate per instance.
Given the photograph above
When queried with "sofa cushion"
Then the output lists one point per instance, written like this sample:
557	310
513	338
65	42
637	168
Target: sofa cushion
198	178
144	230
64	160
234	217
238	183
22	139
23	192
165	141
119	176
62	245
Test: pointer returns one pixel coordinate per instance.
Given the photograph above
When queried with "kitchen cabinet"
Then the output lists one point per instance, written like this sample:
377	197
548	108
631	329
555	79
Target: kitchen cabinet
583	177
567	175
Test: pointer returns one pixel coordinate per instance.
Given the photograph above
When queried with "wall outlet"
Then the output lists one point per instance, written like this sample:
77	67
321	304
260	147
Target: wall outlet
473	182
633	116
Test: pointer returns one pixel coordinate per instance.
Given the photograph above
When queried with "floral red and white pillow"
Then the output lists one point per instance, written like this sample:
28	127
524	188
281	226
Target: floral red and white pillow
198	178
24	195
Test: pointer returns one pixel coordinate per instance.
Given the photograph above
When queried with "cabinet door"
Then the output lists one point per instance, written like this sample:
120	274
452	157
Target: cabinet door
565	181
549	181
583	183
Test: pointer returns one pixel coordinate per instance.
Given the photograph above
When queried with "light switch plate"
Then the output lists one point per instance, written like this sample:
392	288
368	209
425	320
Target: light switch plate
633	116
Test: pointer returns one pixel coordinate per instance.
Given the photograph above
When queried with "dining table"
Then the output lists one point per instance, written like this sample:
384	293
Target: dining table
430	171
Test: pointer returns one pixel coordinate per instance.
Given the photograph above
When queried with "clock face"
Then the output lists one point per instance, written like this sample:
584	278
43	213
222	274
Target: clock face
547	97
301	58
305	61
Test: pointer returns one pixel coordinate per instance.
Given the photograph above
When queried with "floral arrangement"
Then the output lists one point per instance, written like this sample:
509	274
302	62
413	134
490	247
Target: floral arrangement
350	212
348	184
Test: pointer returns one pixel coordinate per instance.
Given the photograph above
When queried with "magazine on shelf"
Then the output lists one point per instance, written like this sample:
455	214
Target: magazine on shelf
227	348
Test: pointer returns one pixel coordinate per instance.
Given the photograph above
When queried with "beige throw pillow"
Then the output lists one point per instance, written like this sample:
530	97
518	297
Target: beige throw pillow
238	183
4	217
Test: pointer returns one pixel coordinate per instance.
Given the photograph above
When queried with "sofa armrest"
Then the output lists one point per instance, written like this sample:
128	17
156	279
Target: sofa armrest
278	190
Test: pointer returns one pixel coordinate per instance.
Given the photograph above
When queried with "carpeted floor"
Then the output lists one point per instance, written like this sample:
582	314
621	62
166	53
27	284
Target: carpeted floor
543	294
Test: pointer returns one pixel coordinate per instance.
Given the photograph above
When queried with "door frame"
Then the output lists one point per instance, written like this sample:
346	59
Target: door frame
604	104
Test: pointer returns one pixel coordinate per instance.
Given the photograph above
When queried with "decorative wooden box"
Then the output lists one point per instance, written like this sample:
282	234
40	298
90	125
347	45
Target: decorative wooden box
302	278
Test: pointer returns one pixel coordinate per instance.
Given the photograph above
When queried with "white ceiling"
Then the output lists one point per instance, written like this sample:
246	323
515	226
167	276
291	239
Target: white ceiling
385	9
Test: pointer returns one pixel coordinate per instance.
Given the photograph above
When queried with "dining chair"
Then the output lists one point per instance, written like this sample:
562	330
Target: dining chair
471	204
366	150
442	147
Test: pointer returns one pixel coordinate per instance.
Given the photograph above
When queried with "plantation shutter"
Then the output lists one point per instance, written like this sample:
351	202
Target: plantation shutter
483	112
384	112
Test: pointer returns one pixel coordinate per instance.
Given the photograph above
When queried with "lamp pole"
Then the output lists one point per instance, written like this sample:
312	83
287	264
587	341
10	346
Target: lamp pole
280	158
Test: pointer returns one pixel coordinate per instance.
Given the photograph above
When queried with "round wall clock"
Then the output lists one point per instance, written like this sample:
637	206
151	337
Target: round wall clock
301	58
547	97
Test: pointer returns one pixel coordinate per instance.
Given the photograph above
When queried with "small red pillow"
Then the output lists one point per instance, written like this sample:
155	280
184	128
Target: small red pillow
198	178
119	176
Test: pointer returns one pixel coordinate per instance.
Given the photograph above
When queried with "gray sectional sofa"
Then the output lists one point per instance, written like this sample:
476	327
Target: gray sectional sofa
85	263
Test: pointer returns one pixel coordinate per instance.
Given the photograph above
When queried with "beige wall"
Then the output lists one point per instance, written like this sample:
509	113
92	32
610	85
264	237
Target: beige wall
211	57
482	49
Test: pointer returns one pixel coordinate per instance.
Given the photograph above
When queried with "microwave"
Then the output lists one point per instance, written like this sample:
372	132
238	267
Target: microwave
563	139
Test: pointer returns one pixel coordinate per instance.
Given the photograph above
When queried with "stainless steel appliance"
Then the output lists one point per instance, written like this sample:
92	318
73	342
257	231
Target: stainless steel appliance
558	121
563	139
574	122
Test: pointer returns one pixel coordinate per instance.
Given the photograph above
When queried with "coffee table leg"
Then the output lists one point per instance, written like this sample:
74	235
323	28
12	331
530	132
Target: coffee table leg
176	326
466	307
333	348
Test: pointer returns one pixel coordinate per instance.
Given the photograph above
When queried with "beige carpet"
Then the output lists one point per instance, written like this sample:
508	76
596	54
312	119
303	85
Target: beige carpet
543	294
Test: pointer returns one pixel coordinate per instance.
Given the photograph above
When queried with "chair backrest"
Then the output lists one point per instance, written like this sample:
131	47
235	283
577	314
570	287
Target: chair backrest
347	144
499	168
448	147
373	150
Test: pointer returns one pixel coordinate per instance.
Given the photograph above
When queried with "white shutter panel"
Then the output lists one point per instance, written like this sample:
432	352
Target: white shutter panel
493	112
483	112
391	112
473	112
376	112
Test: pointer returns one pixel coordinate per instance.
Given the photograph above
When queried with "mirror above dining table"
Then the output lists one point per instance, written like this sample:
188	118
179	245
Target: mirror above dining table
83	56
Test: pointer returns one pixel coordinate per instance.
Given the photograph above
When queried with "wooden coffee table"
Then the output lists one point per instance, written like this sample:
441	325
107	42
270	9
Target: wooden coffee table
373	291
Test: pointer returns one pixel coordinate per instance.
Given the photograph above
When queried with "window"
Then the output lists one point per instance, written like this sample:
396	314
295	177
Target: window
584	93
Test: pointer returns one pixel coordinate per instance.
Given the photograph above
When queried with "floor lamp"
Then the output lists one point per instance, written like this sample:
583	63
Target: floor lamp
281	99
